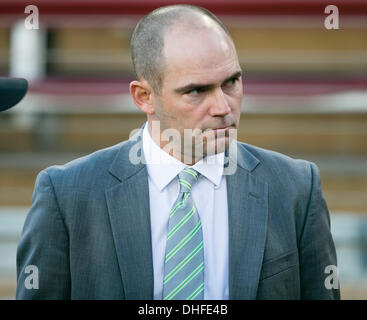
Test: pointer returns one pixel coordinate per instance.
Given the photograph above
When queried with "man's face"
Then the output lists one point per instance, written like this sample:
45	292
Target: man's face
202	85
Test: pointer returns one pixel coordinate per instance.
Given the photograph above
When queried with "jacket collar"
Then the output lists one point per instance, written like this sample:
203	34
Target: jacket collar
128	206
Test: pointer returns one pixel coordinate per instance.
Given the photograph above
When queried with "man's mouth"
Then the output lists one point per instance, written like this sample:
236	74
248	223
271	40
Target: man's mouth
221	128
220	132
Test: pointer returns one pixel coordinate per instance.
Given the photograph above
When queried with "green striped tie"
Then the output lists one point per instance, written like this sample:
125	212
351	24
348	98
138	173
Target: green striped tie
184	259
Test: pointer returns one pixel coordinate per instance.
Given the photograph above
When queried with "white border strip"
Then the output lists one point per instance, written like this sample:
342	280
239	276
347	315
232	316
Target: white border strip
343	102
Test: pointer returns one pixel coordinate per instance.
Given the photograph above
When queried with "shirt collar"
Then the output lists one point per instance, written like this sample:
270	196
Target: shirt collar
163	168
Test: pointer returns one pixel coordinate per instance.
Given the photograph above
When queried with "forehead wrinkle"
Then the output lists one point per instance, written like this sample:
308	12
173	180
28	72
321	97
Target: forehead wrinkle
204	75
197	61
207	85
209	55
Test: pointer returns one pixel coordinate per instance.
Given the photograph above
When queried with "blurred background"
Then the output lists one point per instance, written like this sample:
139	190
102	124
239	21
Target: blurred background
305	95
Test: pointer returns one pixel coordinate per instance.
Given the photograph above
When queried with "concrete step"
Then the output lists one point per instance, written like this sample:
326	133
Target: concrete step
260	49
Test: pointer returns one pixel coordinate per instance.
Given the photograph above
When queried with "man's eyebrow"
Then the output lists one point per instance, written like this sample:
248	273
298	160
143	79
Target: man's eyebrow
193	86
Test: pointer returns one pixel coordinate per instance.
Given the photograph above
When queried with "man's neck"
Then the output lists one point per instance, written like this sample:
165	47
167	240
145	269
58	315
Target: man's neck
174	149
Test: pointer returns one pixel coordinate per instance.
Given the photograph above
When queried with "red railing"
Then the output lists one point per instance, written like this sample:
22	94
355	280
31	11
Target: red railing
139	7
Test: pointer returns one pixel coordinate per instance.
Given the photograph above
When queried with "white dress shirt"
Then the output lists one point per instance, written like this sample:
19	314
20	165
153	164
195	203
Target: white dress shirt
210	197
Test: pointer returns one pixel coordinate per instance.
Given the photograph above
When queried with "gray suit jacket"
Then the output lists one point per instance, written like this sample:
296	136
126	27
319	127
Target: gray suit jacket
88	230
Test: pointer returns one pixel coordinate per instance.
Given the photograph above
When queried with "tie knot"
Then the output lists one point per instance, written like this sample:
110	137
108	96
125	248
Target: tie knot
187	177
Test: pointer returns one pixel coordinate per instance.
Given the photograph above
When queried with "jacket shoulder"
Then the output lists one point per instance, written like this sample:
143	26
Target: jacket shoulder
281	167
274	158
87	170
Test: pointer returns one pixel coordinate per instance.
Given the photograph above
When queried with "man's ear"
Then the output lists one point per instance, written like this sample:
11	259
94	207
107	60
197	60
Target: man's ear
142	94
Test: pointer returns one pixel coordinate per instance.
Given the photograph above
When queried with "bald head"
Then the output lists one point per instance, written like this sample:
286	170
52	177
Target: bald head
148	39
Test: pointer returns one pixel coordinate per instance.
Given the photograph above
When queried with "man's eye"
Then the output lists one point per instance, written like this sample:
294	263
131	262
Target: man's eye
231	82
195	92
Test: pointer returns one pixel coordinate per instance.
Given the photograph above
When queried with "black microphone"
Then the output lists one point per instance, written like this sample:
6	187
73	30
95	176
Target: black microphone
12	90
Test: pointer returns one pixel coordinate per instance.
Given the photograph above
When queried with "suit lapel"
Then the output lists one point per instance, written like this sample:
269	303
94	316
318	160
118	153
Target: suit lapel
247	218
128	207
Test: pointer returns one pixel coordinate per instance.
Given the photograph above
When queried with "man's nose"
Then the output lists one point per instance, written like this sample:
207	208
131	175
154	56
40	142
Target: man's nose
219	105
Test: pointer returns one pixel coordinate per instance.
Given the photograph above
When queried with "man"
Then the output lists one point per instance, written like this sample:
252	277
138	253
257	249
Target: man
167	223
12	90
